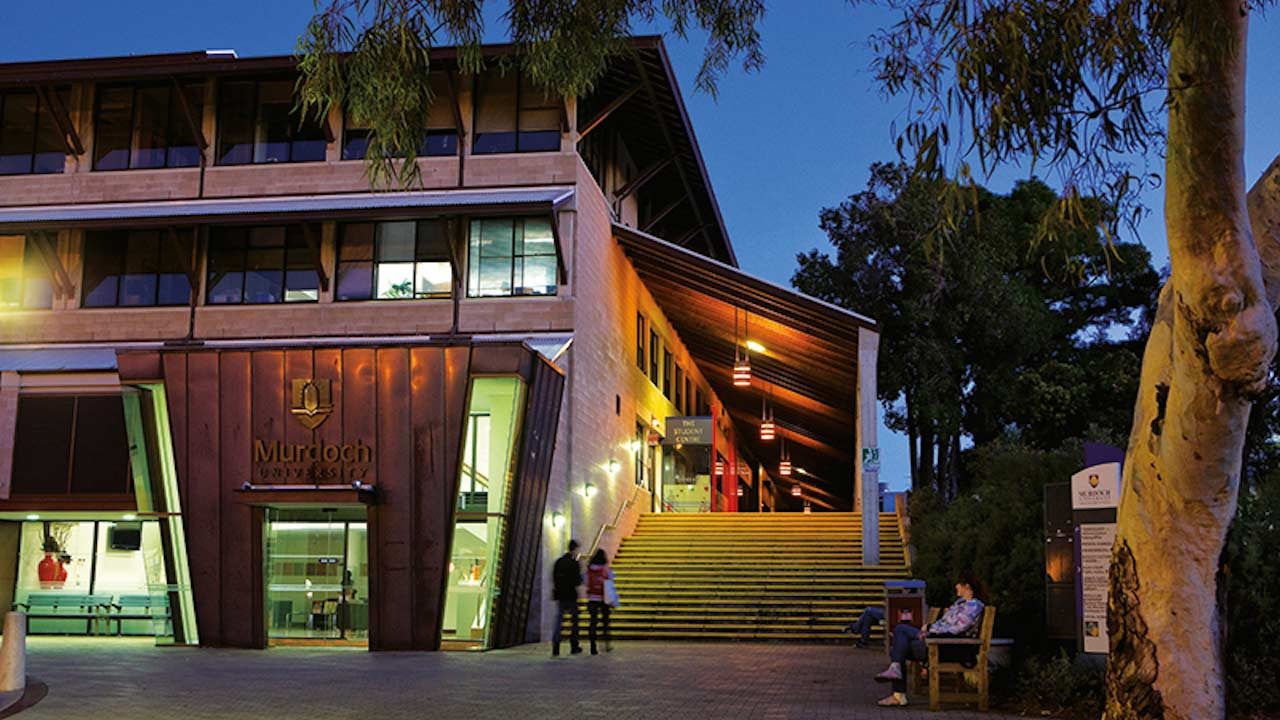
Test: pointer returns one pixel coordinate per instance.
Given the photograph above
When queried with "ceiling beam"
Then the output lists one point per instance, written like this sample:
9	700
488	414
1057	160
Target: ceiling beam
663	213
607	110
640	180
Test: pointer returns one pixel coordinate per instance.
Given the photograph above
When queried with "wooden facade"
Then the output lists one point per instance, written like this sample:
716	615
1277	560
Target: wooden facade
408	406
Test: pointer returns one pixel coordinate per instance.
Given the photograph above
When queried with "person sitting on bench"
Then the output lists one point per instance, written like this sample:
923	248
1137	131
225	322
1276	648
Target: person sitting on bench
959	620
871	617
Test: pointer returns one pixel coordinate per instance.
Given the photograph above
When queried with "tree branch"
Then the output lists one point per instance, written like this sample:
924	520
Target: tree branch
1264	217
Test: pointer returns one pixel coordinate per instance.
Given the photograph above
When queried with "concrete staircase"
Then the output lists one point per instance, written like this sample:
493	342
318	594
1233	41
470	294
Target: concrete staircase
750	576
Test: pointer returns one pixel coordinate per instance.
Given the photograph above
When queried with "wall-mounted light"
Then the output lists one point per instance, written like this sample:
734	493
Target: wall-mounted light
129	517
655	423
613	466
33	516
588	490
557	520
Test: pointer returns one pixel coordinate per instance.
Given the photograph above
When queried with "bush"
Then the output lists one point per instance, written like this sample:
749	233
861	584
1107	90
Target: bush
1058	686
996	532
1253	603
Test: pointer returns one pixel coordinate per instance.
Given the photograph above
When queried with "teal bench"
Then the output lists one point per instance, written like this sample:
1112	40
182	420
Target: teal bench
138	607
66	606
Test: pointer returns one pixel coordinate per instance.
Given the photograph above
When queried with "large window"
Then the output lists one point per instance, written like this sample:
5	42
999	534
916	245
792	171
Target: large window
640	326
145	126
136	268
25	281
653	357
442	132
666	373
257	123
394	261
268	264
30	141
511	256
513	115
68	444
680	389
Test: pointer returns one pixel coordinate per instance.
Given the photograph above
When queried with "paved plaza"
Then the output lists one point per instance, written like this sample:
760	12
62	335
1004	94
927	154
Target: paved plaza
130	678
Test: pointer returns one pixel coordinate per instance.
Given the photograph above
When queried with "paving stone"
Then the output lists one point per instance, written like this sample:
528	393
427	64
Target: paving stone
101	678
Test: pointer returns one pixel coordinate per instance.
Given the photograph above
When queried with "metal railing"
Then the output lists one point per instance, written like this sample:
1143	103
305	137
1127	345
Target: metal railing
613	524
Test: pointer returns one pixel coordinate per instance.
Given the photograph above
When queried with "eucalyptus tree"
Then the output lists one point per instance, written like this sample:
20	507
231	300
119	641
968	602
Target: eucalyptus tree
1082	87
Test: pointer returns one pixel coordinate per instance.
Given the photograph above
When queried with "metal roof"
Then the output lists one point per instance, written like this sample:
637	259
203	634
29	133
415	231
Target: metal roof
58	360
90	214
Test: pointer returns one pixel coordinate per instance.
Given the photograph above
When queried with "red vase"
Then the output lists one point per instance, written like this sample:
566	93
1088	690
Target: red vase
48	571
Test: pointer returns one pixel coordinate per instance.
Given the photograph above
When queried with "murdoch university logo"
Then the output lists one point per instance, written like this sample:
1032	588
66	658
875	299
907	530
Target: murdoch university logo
311	402
1093	477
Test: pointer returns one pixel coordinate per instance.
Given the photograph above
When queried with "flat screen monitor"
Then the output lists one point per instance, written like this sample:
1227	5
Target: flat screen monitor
125	536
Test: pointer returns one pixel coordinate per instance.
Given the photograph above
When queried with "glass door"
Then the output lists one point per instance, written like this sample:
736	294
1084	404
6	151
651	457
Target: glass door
317	576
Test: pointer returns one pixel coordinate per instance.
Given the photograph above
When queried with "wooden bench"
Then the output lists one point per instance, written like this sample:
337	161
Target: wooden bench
938	666
138	607
66	606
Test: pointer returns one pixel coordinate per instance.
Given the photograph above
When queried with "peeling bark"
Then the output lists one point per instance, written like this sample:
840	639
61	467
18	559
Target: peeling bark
1208	354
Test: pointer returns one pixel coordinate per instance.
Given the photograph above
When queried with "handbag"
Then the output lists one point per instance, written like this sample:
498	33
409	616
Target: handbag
610	593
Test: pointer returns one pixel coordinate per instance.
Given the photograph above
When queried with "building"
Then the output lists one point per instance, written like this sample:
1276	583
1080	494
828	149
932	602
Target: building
246	400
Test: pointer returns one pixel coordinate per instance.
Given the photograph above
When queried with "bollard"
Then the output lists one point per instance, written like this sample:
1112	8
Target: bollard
13	653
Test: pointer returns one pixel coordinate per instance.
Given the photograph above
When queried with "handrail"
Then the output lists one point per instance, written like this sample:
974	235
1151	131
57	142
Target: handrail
613	525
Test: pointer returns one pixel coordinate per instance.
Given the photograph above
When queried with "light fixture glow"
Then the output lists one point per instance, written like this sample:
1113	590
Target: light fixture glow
557	519
739	491
129	517
588	490
768	430
719	468
796	491
33	516
784	468
754	346
742	372
614	466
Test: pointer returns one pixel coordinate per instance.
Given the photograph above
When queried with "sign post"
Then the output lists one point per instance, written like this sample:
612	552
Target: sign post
1095	495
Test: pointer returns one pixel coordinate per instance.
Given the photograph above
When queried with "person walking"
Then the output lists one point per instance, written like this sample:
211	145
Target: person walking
598	601
566	576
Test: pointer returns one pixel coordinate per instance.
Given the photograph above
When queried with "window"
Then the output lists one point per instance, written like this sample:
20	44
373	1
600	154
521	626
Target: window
70	444
25	281
442	134
680	386
687	409
30	142
146	126
135	268
267	264
511	256
640	342
697	401
257	123
513	115
643	458
666	374
653	357
394	261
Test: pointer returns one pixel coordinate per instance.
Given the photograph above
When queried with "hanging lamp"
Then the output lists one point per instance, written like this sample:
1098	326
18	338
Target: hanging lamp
784	462
741	358
768	430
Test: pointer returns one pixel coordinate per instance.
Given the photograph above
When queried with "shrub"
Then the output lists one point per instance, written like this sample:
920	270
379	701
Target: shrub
1058	686
1253	603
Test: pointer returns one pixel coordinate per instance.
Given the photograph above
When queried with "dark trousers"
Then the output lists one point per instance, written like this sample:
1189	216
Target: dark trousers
870	618
571	608
598	611
907	645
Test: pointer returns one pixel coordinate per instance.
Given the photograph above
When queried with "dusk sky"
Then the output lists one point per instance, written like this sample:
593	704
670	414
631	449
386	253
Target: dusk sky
779	144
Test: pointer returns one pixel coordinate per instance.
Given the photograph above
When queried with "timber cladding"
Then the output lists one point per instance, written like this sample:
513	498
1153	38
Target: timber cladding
393	418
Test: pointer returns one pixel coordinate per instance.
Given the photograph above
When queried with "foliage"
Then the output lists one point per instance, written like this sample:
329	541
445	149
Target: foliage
1057	685
1253	601
373	56
994	532
991	339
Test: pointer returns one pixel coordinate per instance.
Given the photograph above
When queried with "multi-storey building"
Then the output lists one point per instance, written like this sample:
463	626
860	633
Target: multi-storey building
246	399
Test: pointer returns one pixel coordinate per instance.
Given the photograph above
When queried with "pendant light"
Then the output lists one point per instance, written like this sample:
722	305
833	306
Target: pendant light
796	491
741	359
768	430
784	463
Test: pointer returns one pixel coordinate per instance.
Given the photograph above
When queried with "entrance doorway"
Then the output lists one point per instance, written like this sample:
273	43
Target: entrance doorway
317	576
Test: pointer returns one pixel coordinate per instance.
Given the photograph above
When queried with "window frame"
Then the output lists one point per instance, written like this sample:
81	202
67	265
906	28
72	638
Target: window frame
30	256
174	121
653	356
246	248
666	372
220	149
640	338
352	131
680	382
374	262
475	258
122	270
519	138
42	113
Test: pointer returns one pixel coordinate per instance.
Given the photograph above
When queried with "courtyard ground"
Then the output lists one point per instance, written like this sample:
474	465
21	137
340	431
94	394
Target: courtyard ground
107	678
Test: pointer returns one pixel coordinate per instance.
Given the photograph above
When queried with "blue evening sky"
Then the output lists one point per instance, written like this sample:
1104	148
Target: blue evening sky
779	144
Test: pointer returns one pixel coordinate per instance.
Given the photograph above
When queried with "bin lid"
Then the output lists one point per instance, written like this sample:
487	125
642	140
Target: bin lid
904	585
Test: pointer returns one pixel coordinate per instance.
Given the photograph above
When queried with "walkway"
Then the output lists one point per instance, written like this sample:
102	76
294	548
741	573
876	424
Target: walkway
130	678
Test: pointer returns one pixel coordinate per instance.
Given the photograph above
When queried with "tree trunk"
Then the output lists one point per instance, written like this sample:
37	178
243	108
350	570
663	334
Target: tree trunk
925	462
913	444
1208	354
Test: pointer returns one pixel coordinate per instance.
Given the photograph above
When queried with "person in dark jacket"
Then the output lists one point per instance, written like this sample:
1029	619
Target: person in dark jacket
566	576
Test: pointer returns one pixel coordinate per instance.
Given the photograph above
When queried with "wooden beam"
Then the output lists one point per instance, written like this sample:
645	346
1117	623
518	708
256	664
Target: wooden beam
638	182
607	110
70	138
309	236
663	213
562	275
193	123
187	259
690	233
456	106
48	252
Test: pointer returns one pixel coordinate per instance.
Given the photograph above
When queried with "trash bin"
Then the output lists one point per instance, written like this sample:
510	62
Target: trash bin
903	603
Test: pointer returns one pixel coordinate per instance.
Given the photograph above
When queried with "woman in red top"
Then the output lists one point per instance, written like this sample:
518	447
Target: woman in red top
597	573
